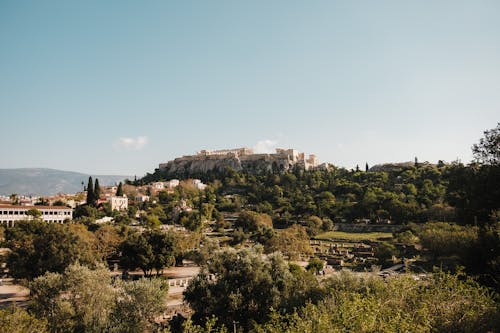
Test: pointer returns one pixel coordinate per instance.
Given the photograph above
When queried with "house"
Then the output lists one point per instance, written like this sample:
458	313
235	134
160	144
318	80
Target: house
118	203
157	186
171	184
198	184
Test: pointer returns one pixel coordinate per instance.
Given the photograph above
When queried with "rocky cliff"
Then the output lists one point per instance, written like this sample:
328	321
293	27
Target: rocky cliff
195	165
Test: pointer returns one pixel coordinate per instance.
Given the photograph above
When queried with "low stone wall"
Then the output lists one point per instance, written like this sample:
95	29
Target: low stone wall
355	227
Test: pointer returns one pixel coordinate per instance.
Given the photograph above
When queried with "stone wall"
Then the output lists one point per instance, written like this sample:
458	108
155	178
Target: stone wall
355	227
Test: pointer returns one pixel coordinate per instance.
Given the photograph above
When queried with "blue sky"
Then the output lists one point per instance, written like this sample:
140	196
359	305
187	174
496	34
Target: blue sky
116	87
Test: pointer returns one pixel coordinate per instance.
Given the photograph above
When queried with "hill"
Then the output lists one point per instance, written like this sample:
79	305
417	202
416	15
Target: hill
42	181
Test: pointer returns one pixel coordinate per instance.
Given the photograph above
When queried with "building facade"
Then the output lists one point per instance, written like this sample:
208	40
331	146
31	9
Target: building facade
118	203
10	214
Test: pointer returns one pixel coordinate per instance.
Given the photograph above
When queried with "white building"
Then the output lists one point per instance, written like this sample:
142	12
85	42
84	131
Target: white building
9	214
157	186
118	203
198	184
171	184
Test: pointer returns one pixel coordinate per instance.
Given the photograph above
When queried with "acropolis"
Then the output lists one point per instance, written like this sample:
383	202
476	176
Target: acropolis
239	159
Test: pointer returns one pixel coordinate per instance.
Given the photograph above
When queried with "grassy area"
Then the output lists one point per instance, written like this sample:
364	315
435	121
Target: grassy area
353	236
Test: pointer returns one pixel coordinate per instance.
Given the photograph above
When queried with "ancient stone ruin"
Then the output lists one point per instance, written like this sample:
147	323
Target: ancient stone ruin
238	159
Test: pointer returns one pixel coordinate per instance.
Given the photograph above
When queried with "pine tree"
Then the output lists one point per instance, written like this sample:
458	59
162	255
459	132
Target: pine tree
357	168
366	167
97	190
119	190
90	192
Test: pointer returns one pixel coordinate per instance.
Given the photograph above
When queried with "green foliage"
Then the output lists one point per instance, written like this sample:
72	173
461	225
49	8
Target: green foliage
34	212
292	242
384	253
152	222
245	289
86	211
90	193
444	303
107	240
38	247
86	304
150	250
191	220
119	190
445	239
354	236
315	265
85	300
252	222
138	303
451	246
97	190
18	320
487	151
313	225
474	191
210	327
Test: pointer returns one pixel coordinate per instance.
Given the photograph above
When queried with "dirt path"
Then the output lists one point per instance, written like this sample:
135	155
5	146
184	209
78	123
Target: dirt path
12	293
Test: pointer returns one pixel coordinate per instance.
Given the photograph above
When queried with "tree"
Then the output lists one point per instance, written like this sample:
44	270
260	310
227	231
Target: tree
97	190
18	320
119	190
108	241
245	289
37	247
77	300
90	192
487	151
35	213
313	225
59	203
292	241
315	265
441	303
136	252
151	250
366	167
251	221
384	252
85	300
164	247
138	304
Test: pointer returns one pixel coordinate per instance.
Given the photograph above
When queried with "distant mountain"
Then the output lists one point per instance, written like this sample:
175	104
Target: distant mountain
41	181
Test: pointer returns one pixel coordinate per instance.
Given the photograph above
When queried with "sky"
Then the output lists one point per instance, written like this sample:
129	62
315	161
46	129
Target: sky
117	87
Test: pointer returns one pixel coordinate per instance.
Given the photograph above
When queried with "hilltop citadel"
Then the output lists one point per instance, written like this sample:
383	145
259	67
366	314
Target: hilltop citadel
239	159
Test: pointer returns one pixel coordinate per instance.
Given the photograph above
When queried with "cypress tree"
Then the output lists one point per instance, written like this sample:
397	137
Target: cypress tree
90	192
366	167
97	190
119	190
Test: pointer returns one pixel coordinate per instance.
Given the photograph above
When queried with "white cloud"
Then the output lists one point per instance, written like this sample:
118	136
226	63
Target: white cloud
265	147
131	143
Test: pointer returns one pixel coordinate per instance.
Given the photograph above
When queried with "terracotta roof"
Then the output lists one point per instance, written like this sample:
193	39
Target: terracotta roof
34	207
